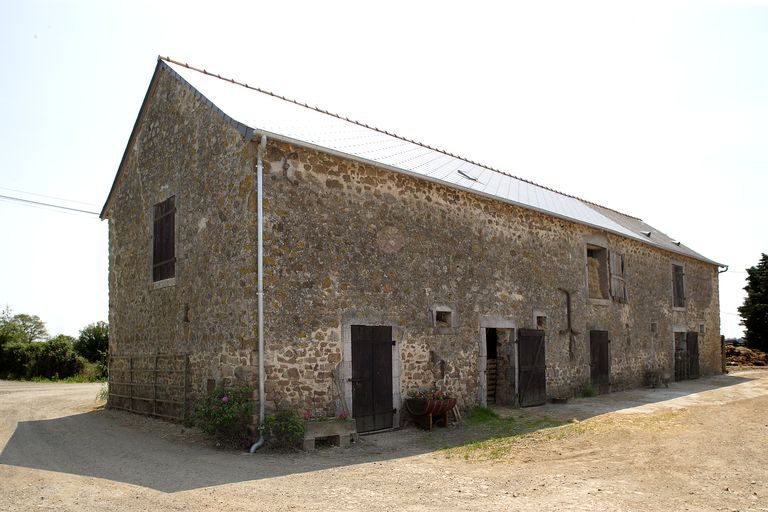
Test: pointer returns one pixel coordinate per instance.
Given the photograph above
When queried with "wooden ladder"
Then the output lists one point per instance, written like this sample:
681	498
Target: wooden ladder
490	381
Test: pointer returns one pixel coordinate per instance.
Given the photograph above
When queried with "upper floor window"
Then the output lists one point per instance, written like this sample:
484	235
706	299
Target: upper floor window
164	240
678	286
597	272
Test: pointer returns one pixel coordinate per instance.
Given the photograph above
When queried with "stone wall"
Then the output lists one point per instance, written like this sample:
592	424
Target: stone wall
349	237
208	310
349	243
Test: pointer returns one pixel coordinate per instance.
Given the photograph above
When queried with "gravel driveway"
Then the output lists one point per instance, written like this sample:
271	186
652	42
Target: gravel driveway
700	445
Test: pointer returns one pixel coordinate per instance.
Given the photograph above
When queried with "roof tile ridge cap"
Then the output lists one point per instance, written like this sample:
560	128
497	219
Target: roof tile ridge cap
379	130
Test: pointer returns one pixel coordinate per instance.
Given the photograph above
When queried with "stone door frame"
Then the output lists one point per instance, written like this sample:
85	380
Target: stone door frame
346	361
491	322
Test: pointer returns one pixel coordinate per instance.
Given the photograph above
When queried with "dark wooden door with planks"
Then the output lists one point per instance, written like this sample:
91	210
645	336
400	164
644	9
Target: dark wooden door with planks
372	377
686	355
600	361
692	340
532	386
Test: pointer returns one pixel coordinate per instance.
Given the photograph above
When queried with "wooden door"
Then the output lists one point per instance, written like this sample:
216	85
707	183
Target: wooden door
372	377
532	385
682	357
692	341
600	361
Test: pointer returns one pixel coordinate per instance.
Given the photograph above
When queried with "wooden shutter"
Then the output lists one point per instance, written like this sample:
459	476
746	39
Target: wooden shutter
618	282
164	240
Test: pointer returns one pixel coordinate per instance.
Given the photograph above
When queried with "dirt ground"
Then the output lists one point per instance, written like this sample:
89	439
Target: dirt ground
698	445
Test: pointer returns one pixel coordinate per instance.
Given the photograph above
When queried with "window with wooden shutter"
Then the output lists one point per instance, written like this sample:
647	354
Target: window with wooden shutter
164	240
618	282
597	272
678	286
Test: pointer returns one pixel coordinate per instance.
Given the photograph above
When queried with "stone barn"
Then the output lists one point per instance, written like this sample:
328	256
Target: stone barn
388	266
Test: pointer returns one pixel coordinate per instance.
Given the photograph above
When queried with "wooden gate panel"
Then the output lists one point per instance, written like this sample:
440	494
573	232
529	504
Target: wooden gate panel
156	385
600	361
532	386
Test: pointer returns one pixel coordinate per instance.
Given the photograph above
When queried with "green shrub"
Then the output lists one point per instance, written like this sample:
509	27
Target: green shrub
93	342
58	359
53	359
92	372
588	391
284	430
225	413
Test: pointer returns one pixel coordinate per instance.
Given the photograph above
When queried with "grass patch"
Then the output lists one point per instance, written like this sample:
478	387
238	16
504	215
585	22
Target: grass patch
75	379
497	426
506	436
480	415
103	394
489	436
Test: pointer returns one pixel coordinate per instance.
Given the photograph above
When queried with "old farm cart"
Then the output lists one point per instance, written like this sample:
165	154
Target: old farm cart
156	385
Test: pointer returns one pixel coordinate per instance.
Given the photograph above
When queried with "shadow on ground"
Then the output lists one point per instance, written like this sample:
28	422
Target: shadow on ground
96	444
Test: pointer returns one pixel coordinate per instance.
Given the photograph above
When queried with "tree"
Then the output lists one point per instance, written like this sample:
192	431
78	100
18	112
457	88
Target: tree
93	342
22	327
32	327
9	331
754	311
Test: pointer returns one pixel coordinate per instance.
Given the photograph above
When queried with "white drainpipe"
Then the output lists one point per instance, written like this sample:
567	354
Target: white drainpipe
260	293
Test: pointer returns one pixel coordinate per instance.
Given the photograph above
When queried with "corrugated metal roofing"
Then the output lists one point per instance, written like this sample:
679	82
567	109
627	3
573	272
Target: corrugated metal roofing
253	111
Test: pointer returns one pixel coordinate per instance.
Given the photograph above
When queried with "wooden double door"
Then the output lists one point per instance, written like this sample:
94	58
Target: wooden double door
686	355
372	377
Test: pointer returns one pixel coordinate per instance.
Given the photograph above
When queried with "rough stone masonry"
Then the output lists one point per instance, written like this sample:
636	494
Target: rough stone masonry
350	243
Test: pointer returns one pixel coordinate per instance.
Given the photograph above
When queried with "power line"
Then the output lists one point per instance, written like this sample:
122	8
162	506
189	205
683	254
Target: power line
48	197
38	203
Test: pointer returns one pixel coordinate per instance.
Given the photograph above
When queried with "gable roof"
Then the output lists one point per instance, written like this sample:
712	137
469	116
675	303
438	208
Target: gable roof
254	111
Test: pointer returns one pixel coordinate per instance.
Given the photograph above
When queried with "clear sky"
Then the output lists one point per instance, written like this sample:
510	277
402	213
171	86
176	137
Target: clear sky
659	110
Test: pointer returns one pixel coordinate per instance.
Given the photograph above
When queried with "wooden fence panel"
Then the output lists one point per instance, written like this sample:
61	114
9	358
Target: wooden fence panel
155	385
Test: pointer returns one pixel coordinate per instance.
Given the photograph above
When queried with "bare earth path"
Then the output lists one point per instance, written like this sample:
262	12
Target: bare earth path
700	445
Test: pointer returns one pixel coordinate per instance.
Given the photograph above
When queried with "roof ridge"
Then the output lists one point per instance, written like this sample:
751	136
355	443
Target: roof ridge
379	130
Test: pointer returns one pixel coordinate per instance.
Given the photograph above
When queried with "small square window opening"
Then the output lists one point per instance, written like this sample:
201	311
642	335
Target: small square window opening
443	319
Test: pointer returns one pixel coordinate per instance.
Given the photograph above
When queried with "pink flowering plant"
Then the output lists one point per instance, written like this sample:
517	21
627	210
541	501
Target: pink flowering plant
226	414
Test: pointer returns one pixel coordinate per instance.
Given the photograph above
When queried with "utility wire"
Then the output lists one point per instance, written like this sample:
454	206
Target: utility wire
47	197
38	203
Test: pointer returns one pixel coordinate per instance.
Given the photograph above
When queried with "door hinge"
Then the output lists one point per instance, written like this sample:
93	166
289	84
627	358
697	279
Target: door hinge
394	343
394	411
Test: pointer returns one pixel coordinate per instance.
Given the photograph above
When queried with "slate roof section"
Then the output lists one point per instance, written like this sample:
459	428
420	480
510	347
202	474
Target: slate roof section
251	111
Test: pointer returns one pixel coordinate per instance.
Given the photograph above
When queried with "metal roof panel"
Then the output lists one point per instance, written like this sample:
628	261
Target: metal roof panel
264	112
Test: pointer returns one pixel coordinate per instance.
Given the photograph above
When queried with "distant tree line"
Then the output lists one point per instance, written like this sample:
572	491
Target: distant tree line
754	311
27	351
